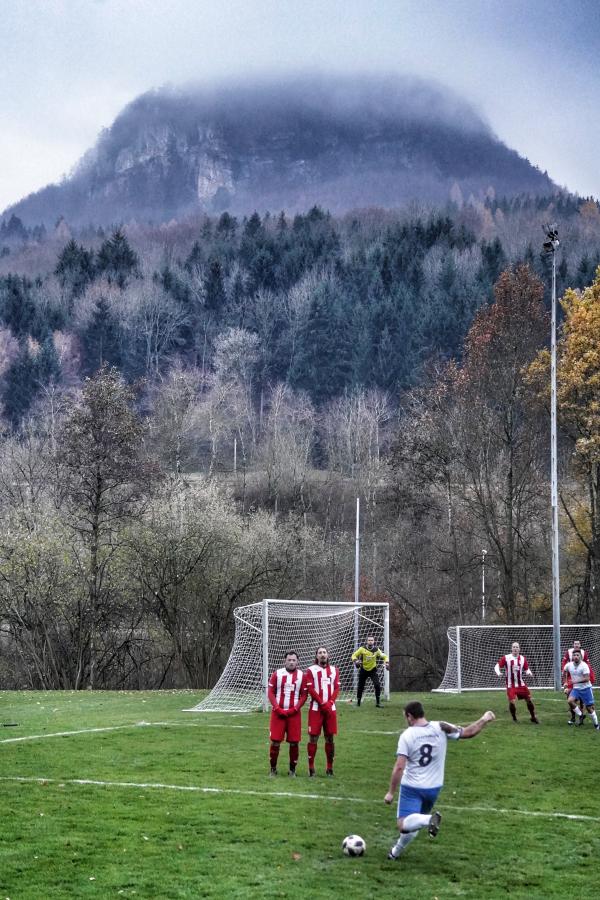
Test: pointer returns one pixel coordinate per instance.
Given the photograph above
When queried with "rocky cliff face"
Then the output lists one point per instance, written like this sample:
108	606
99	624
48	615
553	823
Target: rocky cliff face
336	142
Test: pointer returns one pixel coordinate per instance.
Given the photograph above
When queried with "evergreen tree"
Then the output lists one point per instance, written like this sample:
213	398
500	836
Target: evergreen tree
323	364
214	290
116	259
17	306
226	226
101	340
47	363
75	268
20	385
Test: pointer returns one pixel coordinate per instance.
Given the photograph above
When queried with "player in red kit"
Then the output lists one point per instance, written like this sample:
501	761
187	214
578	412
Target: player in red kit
322	681
516	666
286	695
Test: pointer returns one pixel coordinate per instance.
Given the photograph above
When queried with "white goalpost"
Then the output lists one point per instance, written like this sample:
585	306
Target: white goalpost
264	631
473	651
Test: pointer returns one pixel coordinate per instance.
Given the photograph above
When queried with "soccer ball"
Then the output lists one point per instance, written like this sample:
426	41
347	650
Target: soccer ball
353	845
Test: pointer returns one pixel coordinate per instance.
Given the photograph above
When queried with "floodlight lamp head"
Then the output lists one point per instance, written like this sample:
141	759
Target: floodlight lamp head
552	243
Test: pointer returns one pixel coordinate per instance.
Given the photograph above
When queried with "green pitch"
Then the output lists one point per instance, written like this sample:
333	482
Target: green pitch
105	813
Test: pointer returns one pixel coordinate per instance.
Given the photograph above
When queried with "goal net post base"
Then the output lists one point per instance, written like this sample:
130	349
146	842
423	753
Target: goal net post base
474	650
266	630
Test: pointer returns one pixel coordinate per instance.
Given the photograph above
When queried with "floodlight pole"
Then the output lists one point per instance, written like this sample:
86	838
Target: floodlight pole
554	484
356	585
483	553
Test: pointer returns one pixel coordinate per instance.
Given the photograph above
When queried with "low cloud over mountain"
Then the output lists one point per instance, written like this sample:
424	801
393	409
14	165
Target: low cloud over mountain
336	141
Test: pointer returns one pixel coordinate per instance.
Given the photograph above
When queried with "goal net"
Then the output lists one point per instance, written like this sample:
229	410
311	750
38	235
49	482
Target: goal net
264	631
474	650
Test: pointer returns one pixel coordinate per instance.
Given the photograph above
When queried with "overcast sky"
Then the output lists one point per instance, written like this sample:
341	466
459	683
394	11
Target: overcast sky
69	66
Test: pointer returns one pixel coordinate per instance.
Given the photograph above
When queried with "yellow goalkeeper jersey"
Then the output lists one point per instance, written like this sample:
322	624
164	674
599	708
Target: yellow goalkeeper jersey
368	658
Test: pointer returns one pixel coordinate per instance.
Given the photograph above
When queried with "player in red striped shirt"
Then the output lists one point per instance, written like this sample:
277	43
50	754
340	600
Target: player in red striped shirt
322	681
286	694
516	666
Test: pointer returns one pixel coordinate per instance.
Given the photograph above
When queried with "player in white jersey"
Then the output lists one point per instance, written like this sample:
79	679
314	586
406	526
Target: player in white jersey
579	672
568	684
419	770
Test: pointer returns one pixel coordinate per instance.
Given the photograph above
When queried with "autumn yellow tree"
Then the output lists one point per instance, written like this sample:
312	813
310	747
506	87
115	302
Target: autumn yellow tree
473	440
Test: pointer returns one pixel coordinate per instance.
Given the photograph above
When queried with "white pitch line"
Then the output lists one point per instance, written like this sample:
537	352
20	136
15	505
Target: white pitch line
358	731
197	789
54	734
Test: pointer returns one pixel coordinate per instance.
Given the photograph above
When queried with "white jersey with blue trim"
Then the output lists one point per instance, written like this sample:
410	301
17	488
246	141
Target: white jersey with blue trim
424	747
580	674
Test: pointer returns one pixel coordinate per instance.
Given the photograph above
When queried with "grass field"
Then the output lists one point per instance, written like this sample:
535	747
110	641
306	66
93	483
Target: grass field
123	794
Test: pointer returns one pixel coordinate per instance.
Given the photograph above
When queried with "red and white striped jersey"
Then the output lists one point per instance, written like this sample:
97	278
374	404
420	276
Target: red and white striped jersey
324	682
516	667
285	687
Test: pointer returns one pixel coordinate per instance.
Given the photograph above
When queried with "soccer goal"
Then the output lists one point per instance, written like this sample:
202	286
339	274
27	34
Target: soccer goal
264	631
474	650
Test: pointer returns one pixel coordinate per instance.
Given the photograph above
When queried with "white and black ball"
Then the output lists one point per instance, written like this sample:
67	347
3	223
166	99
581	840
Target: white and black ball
354	845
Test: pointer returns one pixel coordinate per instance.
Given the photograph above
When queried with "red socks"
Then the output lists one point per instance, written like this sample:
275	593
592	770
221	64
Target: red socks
294	750
312	751
274	755
329	753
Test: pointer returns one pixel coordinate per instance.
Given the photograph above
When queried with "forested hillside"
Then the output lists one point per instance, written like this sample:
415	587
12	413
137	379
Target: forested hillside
190	411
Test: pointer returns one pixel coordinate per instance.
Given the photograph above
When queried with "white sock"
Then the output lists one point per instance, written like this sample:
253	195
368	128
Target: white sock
594	716
577	711
403	841
415	821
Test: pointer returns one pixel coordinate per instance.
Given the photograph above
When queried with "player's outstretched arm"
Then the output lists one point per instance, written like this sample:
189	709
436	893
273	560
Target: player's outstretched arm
470	731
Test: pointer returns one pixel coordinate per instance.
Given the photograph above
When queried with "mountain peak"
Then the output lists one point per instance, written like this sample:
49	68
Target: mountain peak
338	141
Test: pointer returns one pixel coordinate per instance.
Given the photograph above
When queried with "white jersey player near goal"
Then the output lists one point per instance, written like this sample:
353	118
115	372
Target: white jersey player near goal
419	770
580	673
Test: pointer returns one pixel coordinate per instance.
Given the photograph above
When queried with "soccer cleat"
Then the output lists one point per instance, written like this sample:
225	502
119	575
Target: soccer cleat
329	773
535	720
570	721
292	772
434	824
597	727
273	773
378	705
392	855
311	773
579	721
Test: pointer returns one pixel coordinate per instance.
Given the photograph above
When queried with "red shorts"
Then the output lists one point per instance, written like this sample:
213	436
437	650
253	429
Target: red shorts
520	693
318	719
289	729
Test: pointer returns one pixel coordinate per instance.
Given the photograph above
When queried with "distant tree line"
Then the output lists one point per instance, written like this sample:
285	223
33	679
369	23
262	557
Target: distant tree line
190	412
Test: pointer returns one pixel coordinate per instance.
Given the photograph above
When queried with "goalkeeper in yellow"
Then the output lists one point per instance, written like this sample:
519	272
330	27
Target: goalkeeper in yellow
365	659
